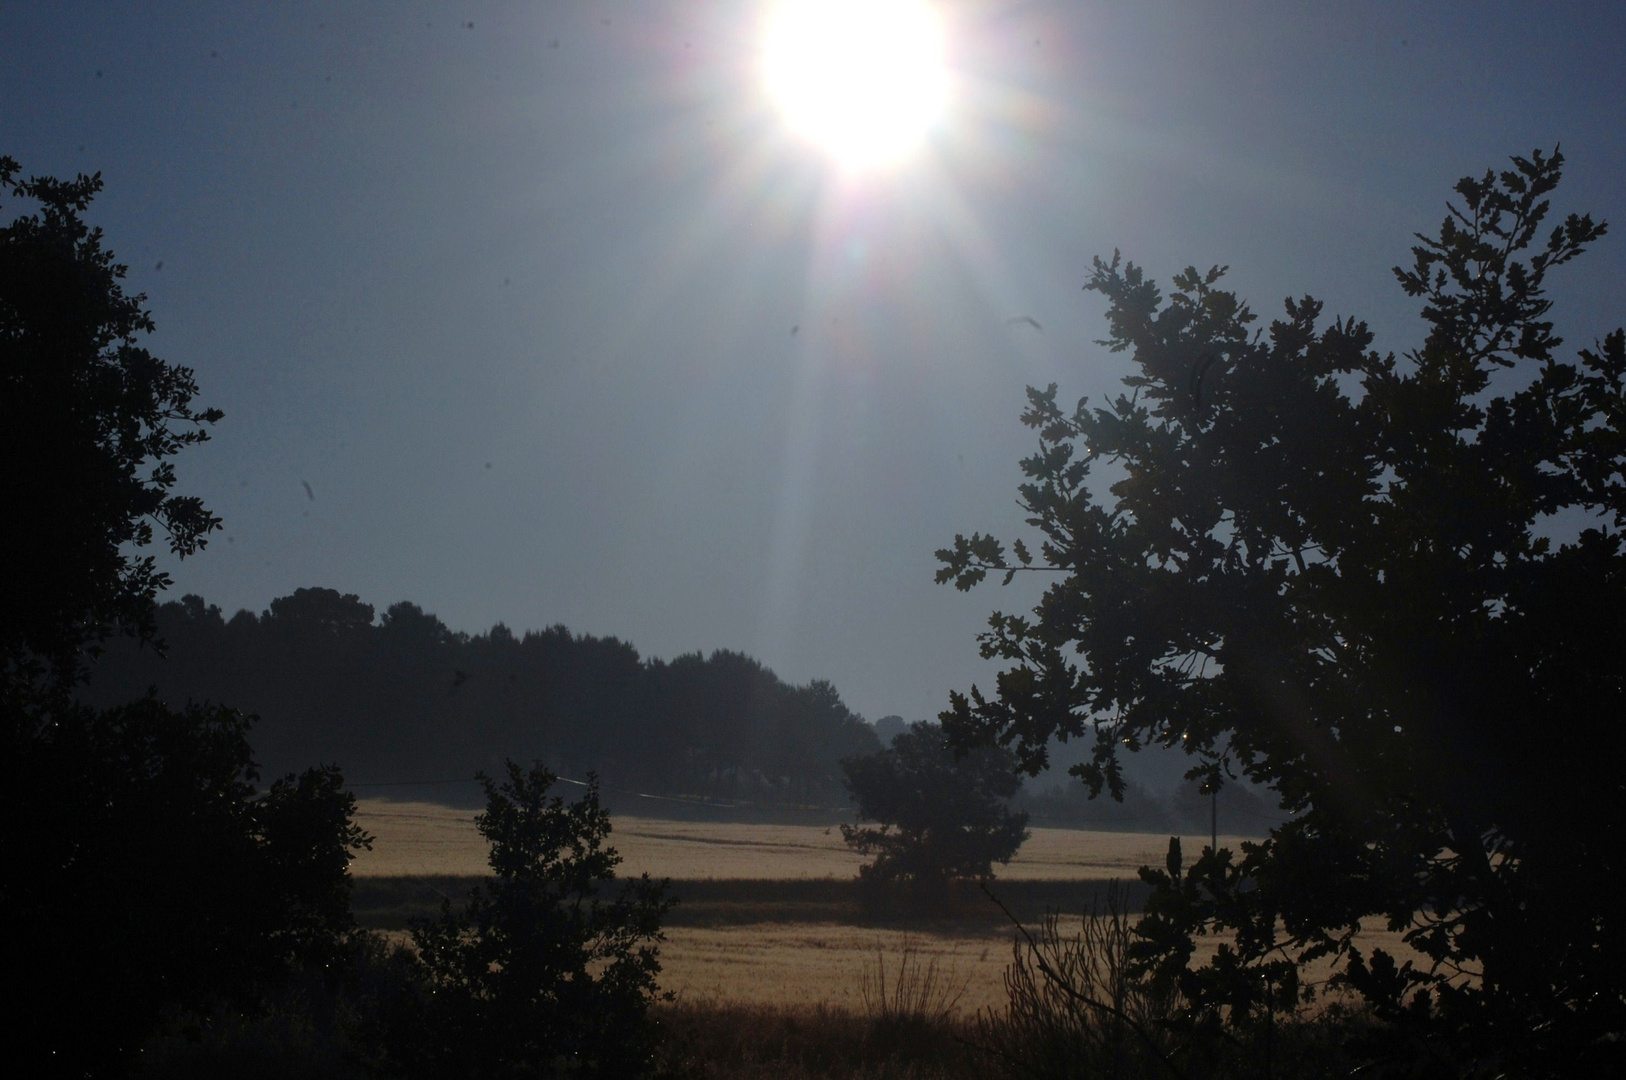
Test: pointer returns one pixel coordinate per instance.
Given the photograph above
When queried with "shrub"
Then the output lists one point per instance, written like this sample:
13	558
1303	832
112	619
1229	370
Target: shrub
942	815
910	1005
150	879
539	973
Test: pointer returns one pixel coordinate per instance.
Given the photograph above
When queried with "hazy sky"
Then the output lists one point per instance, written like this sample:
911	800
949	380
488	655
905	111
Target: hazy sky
560	323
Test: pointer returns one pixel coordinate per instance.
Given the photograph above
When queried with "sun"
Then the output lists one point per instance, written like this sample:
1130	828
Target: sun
862	79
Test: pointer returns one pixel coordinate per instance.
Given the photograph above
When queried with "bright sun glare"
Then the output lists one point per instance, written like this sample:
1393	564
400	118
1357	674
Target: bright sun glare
864	79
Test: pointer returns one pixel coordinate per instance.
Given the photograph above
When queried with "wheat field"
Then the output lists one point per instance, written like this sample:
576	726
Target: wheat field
785	963
413	839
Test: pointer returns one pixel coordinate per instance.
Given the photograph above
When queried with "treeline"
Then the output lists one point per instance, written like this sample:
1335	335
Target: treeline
404	698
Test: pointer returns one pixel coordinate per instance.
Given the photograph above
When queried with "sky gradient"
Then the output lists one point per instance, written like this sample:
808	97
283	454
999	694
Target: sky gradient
560	325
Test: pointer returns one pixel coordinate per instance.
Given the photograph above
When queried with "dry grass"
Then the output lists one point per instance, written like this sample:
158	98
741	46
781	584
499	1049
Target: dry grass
730	1040
914	989
792	965
803	966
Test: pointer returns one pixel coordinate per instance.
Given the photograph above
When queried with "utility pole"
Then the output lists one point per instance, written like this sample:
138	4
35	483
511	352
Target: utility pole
1213	820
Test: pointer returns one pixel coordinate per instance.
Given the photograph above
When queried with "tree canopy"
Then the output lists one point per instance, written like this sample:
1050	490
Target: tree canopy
942	815
1391	588
88	422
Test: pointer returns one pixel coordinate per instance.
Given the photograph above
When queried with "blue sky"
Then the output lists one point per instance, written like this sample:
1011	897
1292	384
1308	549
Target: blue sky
572	241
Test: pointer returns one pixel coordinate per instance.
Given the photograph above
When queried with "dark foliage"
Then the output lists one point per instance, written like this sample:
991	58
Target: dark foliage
409	699
88	421
1081	1005
148	884
1393	590
150	880
540	973
942	815
723	1040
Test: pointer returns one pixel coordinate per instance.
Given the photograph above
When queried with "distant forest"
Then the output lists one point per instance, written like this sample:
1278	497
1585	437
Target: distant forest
404	698
410	708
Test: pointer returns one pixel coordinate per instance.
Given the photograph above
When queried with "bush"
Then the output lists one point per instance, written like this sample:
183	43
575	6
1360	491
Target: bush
539	974
943	816
150	880
911	1006
1076	1007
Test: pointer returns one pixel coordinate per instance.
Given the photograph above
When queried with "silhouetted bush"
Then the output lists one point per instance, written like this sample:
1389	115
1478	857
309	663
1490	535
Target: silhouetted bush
1084	1004
942	816
151	881
540	973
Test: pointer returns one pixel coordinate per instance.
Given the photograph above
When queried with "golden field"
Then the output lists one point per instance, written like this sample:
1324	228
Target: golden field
414	839
805	964
805	950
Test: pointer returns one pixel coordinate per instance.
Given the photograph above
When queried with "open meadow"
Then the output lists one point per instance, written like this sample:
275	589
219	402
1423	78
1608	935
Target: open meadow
770	914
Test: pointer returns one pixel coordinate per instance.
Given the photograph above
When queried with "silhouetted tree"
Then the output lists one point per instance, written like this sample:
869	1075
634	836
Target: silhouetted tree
1394	590
540	973
88	421
145	878
942	815
320	615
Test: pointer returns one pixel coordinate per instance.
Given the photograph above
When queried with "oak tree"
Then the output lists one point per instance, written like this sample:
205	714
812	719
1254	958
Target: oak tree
1393	589
89	419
